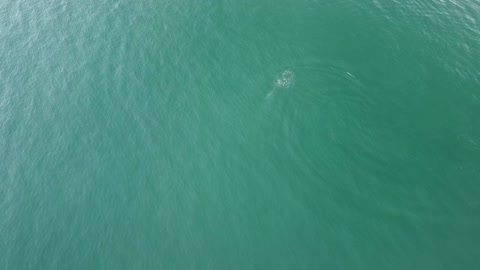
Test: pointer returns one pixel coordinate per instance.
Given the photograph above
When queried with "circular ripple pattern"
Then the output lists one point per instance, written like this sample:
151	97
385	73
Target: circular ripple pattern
314	115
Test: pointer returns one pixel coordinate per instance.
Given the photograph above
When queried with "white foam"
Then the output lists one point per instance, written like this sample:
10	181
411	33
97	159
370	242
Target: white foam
285	79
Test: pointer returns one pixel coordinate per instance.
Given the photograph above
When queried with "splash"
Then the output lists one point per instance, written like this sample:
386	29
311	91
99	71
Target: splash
285	79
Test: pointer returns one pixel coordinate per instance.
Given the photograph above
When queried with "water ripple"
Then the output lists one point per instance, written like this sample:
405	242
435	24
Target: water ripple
314	106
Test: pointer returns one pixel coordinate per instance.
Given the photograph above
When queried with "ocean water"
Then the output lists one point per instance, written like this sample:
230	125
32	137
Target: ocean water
289	134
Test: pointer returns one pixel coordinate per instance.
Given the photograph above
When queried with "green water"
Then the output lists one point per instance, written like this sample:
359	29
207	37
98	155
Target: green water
289	134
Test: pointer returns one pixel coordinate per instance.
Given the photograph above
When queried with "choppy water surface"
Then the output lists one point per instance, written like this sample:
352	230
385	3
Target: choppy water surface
231	135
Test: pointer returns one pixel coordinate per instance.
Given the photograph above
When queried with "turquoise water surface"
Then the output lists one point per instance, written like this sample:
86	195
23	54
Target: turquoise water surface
289	134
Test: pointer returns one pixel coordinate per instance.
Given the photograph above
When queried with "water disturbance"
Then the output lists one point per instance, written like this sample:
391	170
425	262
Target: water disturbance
290	134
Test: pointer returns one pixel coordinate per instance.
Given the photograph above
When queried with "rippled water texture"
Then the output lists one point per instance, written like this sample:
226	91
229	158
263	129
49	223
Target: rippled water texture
290	134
